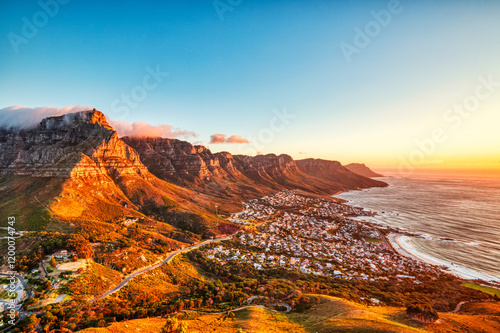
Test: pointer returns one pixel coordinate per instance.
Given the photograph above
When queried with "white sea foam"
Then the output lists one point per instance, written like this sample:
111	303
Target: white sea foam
459	270
456	220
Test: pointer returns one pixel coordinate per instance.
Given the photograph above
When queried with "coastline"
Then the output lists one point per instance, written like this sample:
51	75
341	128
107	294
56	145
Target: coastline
402	244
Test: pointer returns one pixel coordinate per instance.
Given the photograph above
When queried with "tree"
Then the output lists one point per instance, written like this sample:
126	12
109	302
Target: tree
53	261
29	323
171	326
81	245
422	312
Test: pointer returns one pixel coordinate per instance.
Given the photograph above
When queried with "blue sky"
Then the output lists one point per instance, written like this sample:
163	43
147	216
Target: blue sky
228	75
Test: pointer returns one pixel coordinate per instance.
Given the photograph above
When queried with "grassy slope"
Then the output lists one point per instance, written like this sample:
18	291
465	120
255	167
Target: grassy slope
484	289
473	317
26	199
249	320
331	315
143	325
347	316
334	314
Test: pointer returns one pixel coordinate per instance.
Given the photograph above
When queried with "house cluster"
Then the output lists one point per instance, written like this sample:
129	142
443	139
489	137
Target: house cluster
62	254
254	211
315	236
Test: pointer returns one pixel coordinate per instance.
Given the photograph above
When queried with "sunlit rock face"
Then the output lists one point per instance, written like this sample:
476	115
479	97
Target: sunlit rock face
76	144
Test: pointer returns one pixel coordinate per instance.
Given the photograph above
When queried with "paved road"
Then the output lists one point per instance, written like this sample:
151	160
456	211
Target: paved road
285	305
168	259
43	267
25	286
29	294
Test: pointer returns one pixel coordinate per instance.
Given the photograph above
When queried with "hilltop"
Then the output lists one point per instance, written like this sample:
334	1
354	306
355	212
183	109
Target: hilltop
330	315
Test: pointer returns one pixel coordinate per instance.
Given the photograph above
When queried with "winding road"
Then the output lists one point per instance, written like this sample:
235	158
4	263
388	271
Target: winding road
168	259
288	309
29	294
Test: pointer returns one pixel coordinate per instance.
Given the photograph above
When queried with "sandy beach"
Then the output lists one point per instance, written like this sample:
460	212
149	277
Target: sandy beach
402	244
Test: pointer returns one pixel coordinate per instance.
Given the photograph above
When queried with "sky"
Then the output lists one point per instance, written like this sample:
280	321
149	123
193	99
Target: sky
398	85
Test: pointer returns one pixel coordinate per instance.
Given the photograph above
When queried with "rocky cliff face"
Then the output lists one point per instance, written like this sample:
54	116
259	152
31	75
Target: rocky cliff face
171	159
77	144
196	167
95	171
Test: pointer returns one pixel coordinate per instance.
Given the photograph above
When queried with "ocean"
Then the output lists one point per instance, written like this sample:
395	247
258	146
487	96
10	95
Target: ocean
457	220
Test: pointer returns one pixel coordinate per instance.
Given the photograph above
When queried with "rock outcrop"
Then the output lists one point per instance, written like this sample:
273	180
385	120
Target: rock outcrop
76	144
172	159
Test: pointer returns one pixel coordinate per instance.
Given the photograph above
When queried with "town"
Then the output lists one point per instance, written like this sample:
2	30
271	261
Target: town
315	236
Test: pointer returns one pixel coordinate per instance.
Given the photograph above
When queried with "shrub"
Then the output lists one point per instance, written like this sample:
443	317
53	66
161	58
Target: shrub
422	312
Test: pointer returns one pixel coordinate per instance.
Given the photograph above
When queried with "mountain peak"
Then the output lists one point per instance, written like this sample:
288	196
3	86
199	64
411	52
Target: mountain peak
77	118
362	169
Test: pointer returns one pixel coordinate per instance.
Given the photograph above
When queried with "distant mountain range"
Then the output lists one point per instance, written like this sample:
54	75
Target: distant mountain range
75	167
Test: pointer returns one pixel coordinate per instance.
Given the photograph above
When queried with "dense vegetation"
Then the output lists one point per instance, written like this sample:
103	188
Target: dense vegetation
34	246
191	282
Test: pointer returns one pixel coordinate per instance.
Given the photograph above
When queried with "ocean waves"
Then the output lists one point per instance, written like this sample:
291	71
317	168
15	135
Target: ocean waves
456	221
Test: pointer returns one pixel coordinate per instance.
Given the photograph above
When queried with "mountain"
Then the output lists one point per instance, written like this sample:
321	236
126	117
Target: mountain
333	171
362	170
75	168
241	176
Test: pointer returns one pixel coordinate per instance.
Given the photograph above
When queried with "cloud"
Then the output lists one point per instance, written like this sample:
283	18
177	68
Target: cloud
236	139
143	129
302	153
219	138
24	117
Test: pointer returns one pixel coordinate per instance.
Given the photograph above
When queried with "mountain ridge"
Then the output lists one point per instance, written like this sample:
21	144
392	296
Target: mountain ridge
103	177
197	166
